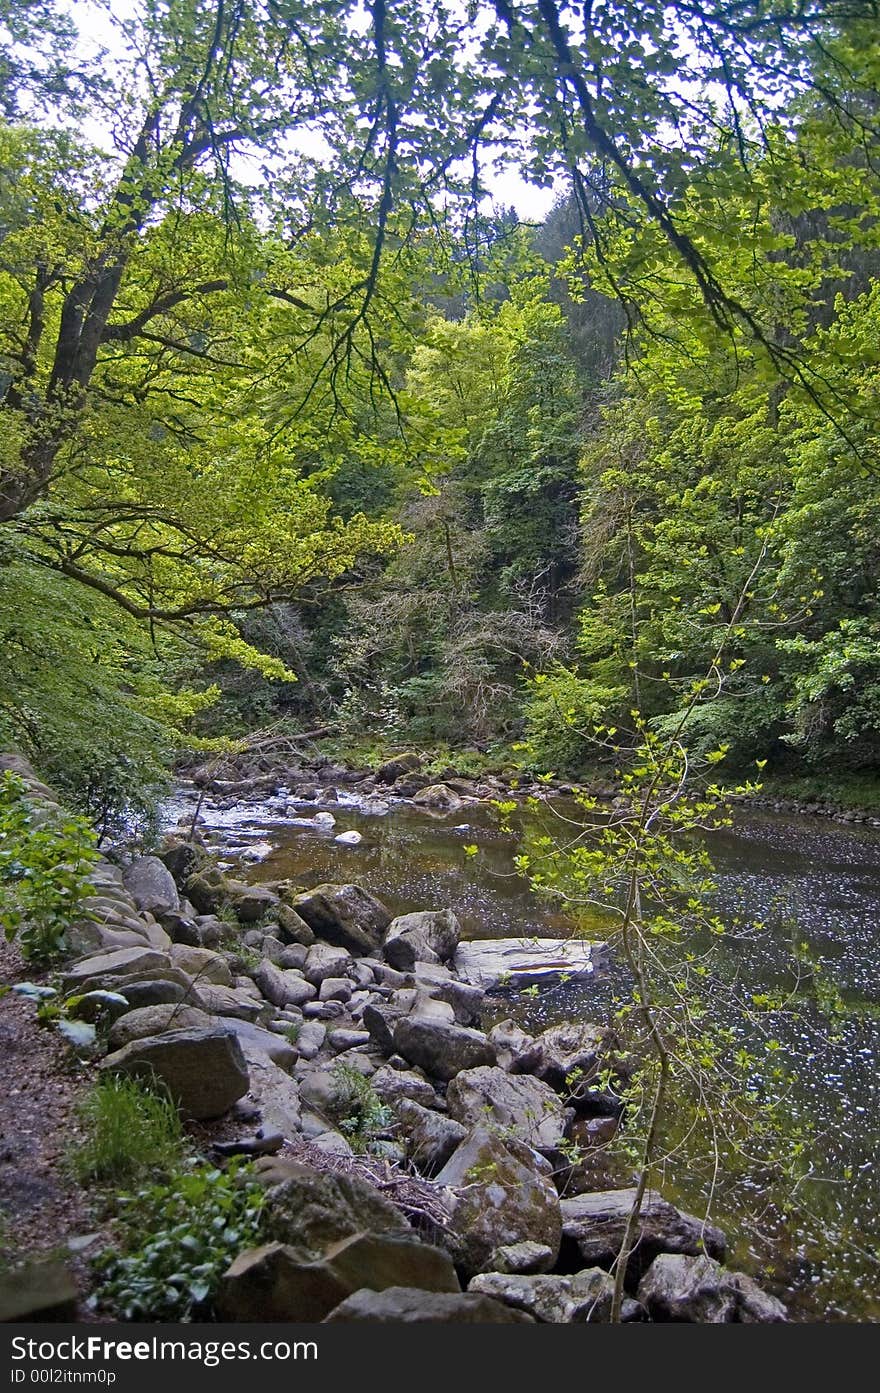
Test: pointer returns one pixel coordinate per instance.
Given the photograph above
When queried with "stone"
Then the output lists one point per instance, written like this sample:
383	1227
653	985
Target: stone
310	1039
498	1198
311	1210
204	1070
439	798
252	902
430	1137
202	964
521	1258
119	964
180	858
153	1020
436	981
151	884
333	1142
397	767
275	1094
345	916
293	929
344	1039
494	963
392	1084
523	1107
231	1001
441	1048
322	961
335	989
406	944
294	955
272	948
39	1291
407	1306
181	929
571	1049
584	1296
439	929
698	1289
510	1042
351	838
380	1020
255	1041
283	987
207	889
98	1007
149	991
594	1224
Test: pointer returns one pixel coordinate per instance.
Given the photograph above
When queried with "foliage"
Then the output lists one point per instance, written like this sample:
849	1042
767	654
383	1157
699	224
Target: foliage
176	1241
362	1115
45	860
129	1131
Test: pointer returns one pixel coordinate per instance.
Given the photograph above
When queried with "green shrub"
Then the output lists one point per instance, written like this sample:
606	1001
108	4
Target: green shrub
177	1240
45	860
363	1116
129	1132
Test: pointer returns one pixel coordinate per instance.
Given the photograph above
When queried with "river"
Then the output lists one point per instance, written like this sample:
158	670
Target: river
807	878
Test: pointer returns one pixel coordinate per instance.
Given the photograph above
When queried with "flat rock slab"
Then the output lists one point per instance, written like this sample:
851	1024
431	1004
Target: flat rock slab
41	1291
495	963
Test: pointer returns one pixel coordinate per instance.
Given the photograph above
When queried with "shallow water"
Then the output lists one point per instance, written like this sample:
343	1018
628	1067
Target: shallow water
807	879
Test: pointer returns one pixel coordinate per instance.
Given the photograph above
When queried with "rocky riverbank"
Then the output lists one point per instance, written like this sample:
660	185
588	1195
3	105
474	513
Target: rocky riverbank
417	1166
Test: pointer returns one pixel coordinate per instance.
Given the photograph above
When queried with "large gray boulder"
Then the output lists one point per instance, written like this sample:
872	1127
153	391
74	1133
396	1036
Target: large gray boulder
153	1020
257	1042
430	936
435	980
439	798
566	1055
699	1290
430	1137
119	963
322	961
407	1306
498	1197
275	1094
441	1047
491	963
584	1296
202	964
344	915
276	1283
523	1107
232	1001
204	1070
283	987
151	885
311	1210
594	1225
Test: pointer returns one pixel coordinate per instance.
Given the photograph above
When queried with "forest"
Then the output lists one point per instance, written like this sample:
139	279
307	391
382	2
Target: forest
493	387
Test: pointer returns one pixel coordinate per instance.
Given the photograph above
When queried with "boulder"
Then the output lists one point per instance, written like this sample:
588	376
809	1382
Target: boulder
521	1258
151	885
380	1021
292	927
231	1002
283	987
393	1084
699	1290
251	902
153	1020
204	1070
276	1283
426	936
594	1224
344	915
335	989
436	981
180	858
323	960
573	1050
255	1041
275	1094
440	1047
493	963
510	1042
118	965
311	1210
439	798
397	767
498	1198
310	1039
202	964
521	1106
207	889
156	991
407	1306
584	1296
39	1291
430	1137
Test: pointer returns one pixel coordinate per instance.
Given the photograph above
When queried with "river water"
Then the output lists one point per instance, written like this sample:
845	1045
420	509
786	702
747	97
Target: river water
810	880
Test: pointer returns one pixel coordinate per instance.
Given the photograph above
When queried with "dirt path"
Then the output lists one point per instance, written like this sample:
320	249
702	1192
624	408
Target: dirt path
41	1208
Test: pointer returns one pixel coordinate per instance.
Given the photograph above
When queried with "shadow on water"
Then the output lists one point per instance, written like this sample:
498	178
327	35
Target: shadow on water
808	880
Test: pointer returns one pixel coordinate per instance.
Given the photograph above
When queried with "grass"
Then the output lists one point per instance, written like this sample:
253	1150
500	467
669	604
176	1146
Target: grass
129	1132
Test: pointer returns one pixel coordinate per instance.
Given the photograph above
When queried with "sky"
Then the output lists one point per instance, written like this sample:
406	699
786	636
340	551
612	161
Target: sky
96	28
